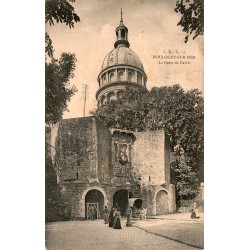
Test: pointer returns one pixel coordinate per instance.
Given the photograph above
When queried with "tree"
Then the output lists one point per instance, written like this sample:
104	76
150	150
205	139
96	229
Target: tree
58	72
60	11
126	113
49	50
57	93
182	175
54	204
192	19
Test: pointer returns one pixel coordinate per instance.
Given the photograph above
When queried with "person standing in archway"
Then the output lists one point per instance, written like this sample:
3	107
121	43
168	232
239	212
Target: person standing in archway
92	212
106	215
111	217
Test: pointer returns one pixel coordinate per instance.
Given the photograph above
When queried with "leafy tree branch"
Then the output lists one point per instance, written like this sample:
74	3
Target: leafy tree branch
192	20
57	90
60	11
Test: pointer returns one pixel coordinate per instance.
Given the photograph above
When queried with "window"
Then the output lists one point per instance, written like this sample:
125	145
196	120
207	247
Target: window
103	100
121	75
104	79
112	77
123	33
130	76
139	79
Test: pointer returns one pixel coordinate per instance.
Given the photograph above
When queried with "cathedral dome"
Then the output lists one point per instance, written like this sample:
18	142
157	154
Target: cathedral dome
122	55
121	68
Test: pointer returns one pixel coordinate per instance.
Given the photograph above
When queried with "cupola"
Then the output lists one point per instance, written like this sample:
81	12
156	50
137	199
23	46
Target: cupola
121	34
121	68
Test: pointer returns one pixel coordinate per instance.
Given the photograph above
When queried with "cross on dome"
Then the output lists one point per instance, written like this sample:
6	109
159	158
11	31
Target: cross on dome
121	16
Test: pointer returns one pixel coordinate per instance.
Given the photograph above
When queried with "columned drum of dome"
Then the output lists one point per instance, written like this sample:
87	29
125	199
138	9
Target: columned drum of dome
121	67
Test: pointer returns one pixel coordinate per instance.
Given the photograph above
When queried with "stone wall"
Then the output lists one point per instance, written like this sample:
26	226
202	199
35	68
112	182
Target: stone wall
103	151
148	199
77	149
149	157
171	199
72	194
167	159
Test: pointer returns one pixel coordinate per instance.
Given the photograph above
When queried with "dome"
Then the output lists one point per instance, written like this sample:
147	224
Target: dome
121	55
121	68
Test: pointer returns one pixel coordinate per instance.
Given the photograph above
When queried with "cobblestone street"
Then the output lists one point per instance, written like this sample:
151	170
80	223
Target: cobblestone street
89	235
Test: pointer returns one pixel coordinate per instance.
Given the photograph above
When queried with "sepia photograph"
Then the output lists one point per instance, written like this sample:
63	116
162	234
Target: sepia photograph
125	125
124	134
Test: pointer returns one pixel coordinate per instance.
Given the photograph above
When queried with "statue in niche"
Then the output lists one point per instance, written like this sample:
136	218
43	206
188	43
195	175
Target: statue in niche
123	154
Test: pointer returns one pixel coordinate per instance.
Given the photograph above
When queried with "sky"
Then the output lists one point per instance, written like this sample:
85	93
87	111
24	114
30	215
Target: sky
152	31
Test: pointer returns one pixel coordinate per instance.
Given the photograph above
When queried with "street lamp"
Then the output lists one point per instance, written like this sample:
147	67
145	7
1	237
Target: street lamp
129	210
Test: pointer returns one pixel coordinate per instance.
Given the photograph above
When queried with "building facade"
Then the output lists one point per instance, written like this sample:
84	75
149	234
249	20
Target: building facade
99	166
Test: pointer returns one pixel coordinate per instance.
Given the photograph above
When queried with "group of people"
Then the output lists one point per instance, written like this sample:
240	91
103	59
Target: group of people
113	217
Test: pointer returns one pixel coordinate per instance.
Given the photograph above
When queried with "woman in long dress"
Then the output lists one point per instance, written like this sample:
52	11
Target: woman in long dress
194	212
117	219
111	217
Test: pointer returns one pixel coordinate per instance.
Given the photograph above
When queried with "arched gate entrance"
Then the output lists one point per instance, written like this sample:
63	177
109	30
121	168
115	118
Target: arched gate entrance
94	198
120	199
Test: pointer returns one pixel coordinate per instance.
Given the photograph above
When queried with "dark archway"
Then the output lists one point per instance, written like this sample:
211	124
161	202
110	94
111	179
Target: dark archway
120	199
136	204
95	197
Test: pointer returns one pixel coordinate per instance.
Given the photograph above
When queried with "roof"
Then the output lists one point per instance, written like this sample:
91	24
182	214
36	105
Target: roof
122	55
